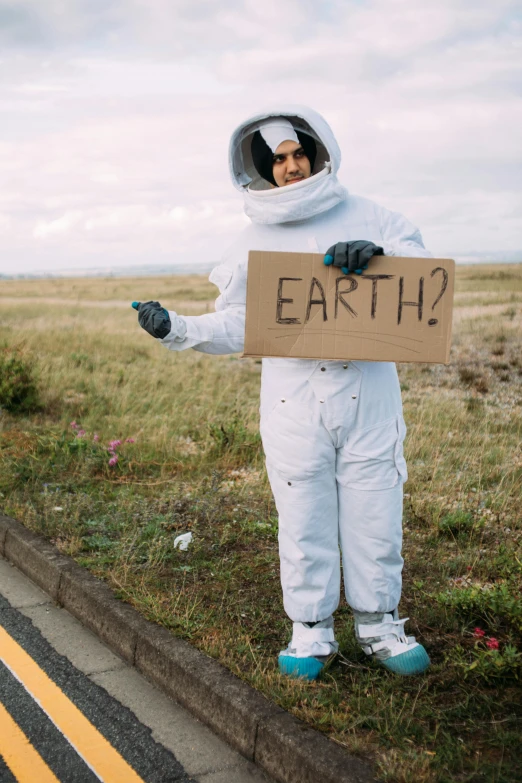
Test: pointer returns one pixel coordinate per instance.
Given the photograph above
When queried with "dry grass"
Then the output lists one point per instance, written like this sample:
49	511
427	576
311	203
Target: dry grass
196	464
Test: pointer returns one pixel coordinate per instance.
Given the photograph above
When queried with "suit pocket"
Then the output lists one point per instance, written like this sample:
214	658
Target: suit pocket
373	458
294	440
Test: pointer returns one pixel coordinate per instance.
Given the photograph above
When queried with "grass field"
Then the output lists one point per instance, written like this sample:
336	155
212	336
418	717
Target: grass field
193	462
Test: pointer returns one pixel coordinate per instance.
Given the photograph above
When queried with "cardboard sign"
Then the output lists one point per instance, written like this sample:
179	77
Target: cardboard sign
398	310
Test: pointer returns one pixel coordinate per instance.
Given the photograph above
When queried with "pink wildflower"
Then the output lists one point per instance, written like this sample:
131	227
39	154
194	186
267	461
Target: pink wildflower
478	633
74	425
96	437
80	434
113	445
130	440
113	460
492	643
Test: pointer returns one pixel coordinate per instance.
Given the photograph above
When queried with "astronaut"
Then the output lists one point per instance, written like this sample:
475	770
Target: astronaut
332	431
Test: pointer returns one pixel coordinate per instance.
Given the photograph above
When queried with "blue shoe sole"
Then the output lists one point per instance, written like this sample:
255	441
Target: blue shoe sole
414	661
300	668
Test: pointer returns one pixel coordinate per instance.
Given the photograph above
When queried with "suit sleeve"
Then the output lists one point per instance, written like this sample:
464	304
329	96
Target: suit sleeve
220	332
400	237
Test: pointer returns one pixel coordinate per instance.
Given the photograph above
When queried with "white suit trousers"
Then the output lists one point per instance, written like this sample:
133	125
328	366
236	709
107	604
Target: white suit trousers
333	438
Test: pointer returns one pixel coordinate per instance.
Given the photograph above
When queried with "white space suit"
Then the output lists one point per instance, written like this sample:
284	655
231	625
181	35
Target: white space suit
332	431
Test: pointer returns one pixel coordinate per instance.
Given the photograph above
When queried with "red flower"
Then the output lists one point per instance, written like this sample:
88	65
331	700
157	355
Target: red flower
478	633
492	643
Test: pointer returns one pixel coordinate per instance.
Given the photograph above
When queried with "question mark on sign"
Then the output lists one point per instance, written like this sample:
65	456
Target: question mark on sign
443	287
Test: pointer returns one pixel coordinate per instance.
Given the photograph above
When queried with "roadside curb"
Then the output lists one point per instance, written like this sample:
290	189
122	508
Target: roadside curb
283	746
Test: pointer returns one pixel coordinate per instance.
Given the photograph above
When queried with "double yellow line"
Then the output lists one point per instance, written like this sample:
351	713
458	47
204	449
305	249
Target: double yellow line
24	761
18	753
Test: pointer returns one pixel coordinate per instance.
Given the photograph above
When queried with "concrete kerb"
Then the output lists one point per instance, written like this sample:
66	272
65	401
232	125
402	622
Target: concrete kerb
212	693
290	751
36	557
4	526
286	748
93	603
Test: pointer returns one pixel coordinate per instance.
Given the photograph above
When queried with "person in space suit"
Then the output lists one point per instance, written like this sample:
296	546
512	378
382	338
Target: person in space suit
332	431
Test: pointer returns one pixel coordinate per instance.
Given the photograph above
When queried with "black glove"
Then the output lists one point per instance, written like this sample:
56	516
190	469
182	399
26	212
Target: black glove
352	256
153	318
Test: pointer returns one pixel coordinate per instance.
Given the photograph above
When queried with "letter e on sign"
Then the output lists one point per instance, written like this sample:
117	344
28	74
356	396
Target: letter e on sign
281	301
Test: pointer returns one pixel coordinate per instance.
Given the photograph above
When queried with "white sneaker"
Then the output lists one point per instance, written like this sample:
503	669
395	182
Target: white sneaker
382	637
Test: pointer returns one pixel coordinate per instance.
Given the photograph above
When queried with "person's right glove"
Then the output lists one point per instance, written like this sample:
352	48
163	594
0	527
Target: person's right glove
153	318
352	256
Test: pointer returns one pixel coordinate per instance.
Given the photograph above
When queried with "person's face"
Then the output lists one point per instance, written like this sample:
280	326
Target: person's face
290	164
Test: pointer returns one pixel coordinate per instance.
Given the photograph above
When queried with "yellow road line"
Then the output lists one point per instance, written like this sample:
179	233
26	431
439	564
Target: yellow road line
94	749
23	760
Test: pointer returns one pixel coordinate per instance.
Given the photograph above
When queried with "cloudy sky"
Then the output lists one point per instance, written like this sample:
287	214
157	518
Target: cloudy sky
116	116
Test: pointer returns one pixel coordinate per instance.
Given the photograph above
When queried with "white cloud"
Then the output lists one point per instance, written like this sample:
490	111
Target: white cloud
61	225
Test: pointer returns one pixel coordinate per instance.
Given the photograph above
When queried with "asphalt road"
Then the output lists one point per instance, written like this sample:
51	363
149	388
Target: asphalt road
59	721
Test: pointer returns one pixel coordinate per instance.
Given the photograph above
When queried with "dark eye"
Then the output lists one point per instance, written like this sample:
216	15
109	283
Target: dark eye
279	158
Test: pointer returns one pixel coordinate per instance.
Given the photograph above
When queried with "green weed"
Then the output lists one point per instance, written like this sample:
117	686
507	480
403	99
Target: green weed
456	523
487	665
18	384
235	441
496	605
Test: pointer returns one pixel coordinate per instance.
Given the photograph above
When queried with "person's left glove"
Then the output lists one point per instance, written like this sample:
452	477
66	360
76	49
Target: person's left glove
352	256
153	318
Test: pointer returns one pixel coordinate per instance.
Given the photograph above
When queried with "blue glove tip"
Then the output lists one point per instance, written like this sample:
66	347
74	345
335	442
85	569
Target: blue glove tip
135	305
359	271
344	270
328	260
